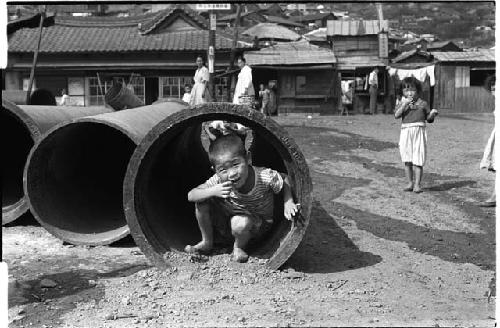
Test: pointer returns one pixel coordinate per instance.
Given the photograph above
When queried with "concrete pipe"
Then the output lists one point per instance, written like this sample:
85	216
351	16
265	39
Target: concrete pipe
171	160
22	126
120	97
74	175
37	97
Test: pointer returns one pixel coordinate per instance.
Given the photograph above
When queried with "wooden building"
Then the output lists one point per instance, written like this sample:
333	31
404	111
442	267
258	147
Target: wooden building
153	53
464	80
319	20
360	46
305	75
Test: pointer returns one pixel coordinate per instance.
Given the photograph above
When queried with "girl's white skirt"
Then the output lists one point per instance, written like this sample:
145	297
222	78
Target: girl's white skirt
413	144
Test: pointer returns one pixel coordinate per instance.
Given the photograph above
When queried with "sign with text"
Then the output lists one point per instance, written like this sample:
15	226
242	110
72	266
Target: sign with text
213	6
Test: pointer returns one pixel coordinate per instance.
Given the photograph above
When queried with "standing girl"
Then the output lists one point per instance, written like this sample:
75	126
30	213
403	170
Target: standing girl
414	112
199	92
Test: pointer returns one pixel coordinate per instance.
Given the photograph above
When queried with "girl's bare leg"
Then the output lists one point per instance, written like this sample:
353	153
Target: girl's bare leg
409	176
419	171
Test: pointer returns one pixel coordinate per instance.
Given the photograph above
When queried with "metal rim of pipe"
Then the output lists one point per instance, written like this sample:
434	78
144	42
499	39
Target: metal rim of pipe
292	157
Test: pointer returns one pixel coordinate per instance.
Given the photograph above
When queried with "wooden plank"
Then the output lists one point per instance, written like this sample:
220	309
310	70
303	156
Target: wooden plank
473	99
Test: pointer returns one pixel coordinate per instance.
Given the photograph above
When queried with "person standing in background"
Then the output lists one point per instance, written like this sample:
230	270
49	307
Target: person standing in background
199	92
373	90
64	98
244	86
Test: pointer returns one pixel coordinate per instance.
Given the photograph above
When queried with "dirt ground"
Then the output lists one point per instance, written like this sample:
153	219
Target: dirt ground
373	255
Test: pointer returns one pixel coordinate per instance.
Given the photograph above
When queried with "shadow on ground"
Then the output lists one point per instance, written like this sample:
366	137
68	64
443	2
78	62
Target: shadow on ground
459	247
327	248
45	306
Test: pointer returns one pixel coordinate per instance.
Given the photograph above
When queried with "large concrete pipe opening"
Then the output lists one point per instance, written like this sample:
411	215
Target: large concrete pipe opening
74	175
17	141
171	160
22	126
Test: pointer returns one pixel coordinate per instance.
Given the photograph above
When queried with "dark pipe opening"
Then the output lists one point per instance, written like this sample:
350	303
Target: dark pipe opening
175	163
16	145
74	182
42	97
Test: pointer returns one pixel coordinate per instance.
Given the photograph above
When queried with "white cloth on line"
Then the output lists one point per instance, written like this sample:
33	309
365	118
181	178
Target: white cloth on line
419	73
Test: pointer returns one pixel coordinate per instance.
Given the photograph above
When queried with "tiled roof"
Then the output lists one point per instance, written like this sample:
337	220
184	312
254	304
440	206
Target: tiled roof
359	27
484	55
161	16
271	31
291	53
104	21
115	36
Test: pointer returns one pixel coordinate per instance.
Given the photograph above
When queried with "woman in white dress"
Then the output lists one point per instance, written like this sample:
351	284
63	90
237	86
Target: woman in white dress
199	92
244	86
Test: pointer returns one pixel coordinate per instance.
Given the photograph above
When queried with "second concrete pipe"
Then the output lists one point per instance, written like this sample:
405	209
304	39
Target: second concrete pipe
74	175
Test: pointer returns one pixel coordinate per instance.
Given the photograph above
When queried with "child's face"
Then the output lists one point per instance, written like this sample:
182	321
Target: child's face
409	91
262	87
233	167
187	89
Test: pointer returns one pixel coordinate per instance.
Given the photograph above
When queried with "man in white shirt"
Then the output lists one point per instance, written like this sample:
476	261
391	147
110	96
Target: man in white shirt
373	85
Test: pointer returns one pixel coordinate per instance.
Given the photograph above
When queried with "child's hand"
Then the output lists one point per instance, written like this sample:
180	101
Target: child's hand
222	190
290	209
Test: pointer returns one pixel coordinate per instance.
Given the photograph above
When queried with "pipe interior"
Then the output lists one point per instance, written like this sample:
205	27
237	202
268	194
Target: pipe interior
16	144
75	181
177	162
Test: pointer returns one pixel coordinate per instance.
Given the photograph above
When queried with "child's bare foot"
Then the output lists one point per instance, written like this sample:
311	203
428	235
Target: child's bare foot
202	248
239	255
408	187
417	189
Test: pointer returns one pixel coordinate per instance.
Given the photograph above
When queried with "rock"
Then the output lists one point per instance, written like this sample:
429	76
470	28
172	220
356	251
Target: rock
125	301
47	283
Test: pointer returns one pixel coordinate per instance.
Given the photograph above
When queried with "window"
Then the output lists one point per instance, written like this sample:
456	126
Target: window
137	84
173	86
96	90
76	91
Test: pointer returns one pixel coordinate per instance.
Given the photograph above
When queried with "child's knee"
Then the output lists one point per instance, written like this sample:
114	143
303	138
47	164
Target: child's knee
240	224
202	208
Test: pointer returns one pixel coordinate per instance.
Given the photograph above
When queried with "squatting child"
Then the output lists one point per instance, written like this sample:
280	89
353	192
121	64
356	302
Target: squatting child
414	112
238	199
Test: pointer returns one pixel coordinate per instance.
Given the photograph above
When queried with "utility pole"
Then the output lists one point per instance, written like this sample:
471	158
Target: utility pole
35	57
233	51
211	53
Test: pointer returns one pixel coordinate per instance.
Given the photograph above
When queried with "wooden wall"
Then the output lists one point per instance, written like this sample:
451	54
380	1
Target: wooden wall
356	45
308	91
453	92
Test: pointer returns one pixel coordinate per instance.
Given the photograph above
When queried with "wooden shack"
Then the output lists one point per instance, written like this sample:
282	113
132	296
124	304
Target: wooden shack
305	74
464	80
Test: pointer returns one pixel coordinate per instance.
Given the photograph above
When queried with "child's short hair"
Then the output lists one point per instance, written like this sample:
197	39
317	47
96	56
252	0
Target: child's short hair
413	82
226	143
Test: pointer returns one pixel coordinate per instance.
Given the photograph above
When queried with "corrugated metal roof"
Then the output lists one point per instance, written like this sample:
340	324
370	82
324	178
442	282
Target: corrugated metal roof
484	55
74	39
359	27
291	53
282	21
271	31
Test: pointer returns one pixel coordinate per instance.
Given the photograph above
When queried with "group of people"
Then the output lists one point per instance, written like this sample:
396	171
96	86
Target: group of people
243	92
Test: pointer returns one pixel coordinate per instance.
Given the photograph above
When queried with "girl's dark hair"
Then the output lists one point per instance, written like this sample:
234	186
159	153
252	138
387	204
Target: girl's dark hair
412	81
202	59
